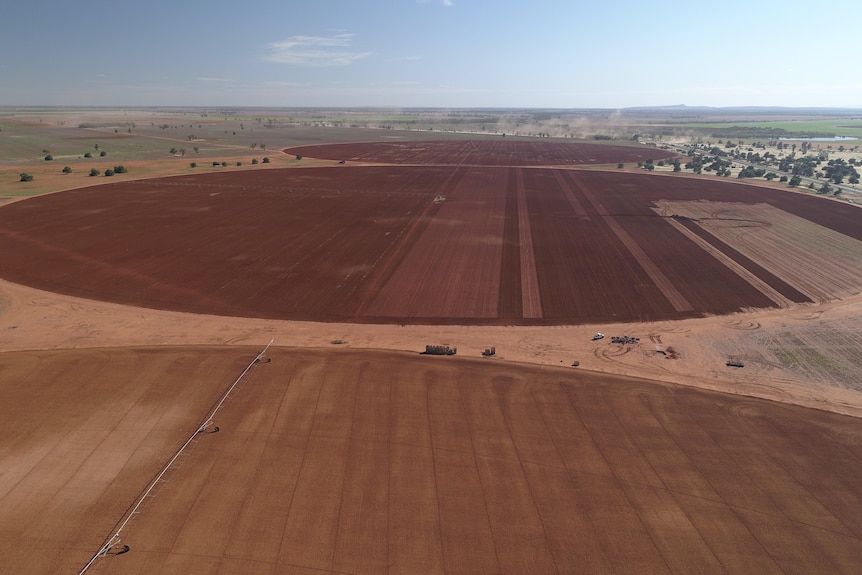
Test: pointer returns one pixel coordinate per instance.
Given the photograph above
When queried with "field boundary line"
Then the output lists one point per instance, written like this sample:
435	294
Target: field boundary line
115	538
735	267
661	281
531	299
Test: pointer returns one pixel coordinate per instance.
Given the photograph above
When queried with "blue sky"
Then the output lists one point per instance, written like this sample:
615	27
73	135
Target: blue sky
429	53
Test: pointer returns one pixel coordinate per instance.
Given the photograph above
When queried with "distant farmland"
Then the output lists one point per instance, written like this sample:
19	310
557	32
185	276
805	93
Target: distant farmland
498	152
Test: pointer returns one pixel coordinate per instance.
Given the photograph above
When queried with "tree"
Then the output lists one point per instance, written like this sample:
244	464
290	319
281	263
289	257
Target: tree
254	161
67	170
94	172
49	157
239	163
621	165
193	165
109	172
103	153
837	170
88	155
173	151
804	166
120	169
182	152
751	172
25	177
266	160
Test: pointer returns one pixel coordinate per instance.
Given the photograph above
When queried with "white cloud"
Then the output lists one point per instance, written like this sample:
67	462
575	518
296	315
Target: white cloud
210	79
315	51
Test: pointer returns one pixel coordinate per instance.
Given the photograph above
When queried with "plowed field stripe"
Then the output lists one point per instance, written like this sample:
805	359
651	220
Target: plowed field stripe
531	300
738	269
570	195
676	299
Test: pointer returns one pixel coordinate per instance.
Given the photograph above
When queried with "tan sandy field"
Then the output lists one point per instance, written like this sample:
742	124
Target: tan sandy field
364	457
33	319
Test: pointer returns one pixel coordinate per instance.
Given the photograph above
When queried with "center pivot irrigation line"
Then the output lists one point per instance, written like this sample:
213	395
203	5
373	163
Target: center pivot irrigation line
115	538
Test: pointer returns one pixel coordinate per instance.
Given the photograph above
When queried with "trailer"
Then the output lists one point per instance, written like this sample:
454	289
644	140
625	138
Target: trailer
439	350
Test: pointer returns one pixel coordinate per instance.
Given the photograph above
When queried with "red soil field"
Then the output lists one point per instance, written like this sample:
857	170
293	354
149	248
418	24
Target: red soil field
352	460
415	244
347	461
483	152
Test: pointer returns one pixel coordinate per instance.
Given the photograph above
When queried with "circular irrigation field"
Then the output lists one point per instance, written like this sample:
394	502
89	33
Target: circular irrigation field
439	244
500	152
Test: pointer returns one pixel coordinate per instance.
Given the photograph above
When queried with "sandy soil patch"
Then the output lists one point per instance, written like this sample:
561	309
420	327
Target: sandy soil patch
34	319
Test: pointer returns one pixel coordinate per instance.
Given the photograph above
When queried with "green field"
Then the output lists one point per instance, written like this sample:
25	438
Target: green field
832	127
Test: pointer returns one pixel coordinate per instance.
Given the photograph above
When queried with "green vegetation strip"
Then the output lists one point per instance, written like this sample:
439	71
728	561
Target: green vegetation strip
837	127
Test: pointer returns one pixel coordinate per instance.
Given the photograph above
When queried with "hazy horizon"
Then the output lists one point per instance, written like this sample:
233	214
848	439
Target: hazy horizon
421	54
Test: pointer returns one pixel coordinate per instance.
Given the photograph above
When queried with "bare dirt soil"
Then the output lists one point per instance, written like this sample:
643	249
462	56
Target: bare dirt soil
482	152
85	431
349	461
425	245
351	453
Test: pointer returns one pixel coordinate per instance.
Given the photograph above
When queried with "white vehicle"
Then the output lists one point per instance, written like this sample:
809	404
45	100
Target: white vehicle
598	336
